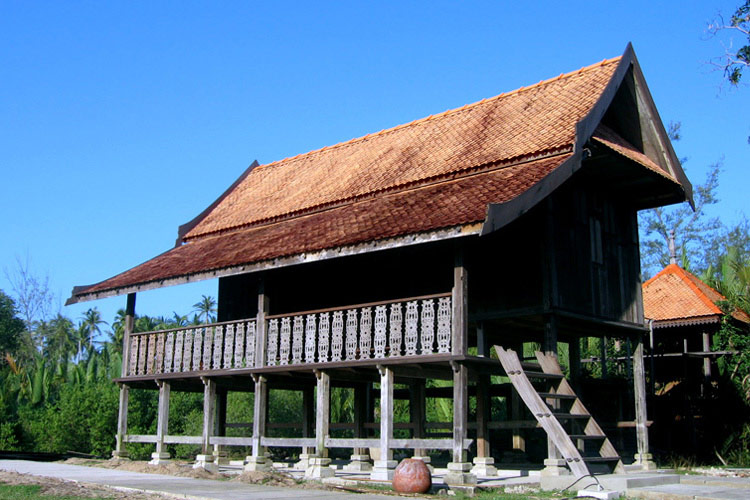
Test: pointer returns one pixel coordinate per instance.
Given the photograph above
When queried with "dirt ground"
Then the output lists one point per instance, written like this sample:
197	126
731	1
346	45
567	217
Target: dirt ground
58	487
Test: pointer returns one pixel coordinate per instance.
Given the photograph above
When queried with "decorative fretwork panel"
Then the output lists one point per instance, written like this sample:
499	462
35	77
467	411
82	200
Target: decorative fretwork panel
239	344
208	344
168	354
297	339
179	341
310	328
187	353
250	345
198	349
395	332
427	331
133	368
285	340
337	332
273	342
381	323
324	326
218	343
351	334
445	314
365	333
228	346
412	328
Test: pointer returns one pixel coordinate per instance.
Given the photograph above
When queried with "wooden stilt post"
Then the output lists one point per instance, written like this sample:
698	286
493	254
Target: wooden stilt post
484	463
384	467
205	459
220	455
260	325
308	425
554	465
706	359
161	455
360	459
417	415
642	457
258	461
320	464
122	415
459	467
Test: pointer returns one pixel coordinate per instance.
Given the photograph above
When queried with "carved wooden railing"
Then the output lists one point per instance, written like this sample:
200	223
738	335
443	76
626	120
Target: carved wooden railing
404	327
216	346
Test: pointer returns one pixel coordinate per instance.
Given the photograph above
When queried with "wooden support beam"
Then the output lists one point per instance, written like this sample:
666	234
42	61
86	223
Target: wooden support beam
162	423
642	457
460	412
308	415
127	331
122	423
209	406
260	325
460	337
322	413
360	405
260	404
417	412
386	413
483	416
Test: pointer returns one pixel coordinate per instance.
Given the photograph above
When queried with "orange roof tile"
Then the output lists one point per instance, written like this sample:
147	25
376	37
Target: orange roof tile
676	296
525	123
425	208
430	175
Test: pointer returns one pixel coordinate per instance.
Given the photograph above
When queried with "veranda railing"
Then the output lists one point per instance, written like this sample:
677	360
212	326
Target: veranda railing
395	328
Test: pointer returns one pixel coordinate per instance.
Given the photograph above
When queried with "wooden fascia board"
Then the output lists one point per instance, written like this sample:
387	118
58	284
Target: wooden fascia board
79	293
652	127
188	226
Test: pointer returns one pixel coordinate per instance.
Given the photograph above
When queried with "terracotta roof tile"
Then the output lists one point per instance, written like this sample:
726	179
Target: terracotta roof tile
444	204
675	294
521	124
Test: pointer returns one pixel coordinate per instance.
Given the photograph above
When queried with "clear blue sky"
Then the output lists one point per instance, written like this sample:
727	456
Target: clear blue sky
121	120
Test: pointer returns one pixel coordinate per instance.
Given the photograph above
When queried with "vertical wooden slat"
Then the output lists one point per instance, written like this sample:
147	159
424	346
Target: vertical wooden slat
260	326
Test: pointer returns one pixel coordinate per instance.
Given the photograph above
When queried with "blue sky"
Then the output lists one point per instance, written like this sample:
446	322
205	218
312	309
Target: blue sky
121	120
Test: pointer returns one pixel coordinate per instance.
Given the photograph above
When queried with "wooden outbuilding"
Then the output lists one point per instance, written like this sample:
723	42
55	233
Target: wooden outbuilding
405	255
688	398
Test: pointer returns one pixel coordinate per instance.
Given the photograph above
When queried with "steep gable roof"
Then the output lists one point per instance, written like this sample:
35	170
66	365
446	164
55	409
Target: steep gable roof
676	297
440	177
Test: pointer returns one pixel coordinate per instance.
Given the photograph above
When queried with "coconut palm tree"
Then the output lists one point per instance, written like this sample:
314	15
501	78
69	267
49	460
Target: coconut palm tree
91	320
206	308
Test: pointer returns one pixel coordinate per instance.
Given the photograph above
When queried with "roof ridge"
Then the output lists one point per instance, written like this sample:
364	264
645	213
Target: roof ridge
417	184
443	113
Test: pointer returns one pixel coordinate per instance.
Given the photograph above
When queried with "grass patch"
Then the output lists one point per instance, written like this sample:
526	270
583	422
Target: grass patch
34	492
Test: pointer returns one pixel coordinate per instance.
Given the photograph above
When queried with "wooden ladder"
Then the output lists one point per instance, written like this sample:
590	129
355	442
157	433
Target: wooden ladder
585	444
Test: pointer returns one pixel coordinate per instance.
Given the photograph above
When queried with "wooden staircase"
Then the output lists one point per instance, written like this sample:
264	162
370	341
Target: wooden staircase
562	415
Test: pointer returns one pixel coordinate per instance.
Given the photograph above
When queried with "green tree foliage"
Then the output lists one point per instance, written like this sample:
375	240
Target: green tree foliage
206	309
11	327
736	57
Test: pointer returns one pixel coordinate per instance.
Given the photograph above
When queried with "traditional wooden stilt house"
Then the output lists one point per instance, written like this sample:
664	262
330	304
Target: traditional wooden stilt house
404	256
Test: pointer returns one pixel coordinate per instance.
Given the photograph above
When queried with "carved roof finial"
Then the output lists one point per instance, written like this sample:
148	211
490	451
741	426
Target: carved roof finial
672	250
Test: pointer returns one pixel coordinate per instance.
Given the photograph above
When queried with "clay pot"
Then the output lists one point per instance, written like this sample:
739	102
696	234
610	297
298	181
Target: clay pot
412	476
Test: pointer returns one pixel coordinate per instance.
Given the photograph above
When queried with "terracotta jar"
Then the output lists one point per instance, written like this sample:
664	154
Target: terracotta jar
412	476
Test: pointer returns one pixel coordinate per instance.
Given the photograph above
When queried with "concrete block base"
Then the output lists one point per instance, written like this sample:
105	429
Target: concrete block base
260	464
555	467
383	470
205	462
159	458
484	466
459	474
304	461
645	461
319	468
122	454
359	463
